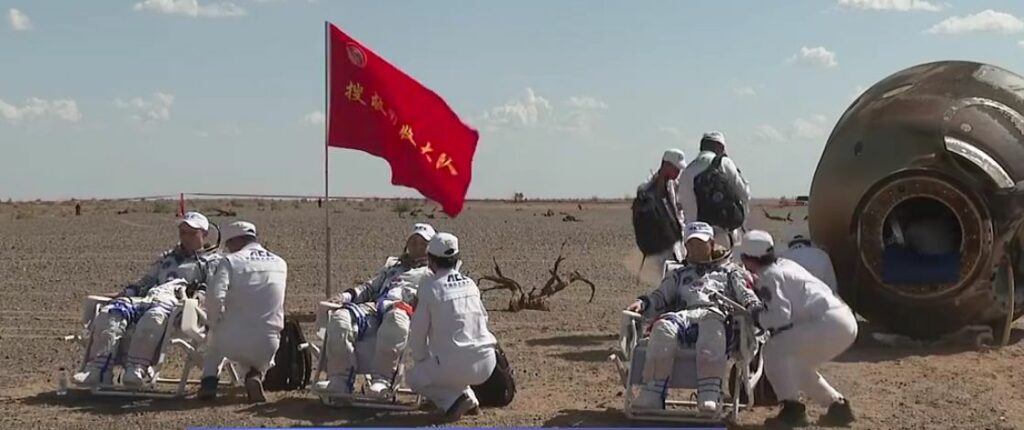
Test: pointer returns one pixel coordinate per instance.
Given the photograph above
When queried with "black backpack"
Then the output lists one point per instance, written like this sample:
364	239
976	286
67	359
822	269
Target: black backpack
292	366
717	202
500	388
655	226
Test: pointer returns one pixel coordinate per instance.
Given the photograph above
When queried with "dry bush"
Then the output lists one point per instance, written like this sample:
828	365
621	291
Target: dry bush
236	203
276	205
162	207
402	206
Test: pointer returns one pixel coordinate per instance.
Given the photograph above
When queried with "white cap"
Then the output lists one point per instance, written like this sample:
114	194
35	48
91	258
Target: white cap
676	157
443	245
238	229
757	243
714	136
195	220
426	231
796	232
699	230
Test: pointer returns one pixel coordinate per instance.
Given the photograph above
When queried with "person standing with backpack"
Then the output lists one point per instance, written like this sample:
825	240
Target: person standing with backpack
657	217
712	190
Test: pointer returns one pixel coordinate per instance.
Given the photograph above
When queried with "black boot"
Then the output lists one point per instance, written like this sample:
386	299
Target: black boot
793	414
208	388
839	414
254	386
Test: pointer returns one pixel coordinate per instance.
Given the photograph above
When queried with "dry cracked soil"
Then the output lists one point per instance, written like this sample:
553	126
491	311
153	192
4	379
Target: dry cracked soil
50	259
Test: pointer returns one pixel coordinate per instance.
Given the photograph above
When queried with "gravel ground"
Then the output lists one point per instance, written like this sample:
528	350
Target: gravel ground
51	260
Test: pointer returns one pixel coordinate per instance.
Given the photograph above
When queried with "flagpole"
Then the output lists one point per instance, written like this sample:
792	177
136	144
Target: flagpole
327	119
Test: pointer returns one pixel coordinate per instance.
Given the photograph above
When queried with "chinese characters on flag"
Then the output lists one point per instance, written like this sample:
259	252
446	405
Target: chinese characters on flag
378	109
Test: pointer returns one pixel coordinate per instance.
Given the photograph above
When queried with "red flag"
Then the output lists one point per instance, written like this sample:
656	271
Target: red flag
378	109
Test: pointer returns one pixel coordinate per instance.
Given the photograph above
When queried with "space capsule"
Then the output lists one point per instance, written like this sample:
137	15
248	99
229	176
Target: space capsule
919	199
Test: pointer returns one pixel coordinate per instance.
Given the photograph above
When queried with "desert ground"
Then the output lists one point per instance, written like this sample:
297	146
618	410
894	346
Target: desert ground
50	259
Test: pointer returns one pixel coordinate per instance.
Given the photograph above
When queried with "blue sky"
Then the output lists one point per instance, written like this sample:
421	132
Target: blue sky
572	98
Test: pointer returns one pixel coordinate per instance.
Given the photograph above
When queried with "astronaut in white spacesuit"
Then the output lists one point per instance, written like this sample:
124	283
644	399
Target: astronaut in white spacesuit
687	312
381	307
145	305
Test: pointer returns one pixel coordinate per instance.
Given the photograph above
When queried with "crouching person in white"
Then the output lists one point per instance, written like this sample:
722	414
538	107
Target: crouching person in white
451	345
381	308
245	310
146	305
809	326
689	313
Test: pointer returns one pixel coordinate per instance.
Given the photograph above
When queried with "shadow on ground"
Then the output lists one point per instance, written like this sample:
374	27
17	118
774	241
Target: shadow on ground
610	417
311	411
574	340
590	356
84	401
867	350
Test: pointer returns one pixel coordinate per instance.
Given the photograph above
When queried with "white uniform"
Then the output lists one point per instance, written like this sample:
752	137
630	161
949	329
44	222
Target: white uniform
688	198
245	310
379	308
809	326
678	252
144	307
689	314
815	260
449	340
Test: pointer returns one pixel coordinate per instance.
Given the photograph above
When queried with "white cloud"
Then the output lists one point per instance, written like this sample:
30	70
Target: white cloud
988	21
1021	44
857	92
896	5
191	8
768	133
576	114
314	118
523	113
745	91
814	57
586	103
62	109
672	131
148	110
814	127
19	21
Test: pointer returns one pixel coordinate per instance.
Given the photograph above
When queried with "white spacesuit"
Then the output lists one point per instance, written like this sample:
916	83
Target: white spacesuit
380	308
688	312
144	306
